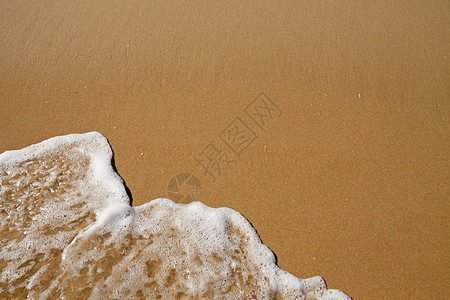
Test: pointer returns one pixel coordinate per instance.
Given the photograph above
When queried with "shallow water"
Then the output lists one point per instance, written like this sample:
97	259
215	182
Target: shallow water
68	231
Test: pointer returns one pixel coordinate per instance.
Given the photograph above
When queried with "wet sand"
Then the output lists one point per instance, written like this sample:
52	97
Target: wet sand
348	179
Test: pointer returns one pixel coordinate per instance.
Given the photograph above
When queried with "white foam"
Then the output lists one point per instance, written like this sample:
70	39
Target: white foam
160	249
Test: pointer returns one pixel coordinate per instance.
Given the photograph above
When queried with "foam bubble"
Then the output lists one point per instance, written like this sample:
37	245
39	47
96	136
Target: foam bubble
67	230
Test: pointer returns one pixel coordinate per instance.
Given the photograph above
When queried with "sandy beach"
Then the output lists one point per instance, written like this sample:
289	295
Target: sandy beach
325	123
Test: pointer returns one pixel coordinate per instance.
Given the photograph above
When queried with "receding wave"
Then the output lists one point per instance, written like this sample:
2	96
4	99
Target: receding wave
67	231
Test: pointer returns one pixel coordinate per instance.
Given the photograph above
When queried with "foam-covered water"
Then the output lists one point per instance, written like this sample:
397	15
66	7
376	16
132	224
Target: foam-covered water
67	231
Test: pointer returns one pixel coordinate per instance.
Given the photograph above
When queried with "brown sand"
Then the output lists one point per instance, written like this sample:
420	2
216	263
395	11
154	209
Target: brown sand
350	182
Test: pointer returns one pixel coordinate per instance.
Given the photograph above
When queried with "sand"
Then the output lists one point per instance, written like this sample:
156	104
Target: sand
355	160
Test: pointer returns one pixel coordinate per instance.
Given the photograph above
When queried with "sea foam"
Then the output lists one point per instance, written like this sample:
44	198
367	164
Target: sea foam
68	231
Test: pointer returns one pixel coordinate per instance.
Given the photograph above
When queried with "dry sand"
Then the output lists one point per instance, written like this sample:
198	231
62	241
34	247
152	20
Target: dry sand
349	182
